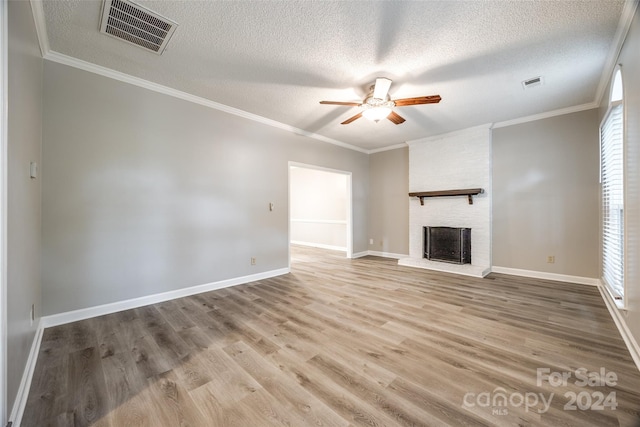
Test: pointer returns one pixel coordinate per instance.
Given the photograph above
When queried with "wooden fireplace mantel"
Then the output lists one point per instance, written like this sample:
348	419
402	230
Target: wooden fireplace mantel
469	192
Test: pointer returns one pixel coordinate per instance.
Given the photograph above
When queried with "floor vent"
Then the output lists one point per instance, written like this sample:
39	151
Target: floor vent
137	25
535	81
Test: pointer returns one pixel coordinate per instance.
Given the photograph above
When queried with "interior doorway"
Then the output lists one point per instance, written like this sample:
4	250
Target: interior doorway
320	208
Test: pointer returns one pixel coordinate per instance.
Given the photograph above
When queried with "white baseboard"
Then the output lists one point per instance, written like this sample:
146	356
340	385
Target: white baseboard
355	254
319	245
547	276
387	254
25	384
72	316
86	313
380	254
359	254
626	334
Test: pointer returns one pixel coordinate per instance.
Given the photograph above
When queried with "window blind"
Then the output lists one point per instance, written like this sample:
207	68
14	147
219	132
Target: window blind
612	183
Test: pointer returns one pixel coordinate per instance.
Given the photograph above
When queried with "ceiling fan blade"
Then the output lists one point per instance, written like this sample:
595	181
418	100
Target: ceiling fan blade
350	104
395	118
433	99
381	88
352	119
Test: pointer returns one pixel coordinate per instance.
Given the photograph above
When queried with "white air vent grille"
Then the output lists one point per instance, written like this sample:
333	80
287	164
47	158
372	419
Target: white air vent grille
534	81
136	25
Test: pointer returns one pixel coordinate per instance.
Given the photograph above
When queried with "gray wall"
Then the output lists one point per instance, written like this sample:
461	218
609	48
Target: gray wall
144	193
630	60
389	201
23	209
545	195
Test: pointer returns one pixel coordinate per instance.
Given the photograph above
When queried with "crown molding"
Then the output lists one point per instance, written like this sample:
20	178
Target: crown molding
37	9
546	115
389	148
51	55
626	18
146	84
624	24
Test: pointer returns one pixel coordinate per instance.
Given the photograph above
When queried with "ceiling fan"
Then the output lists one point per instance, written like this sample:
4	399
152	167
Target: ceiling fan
377	105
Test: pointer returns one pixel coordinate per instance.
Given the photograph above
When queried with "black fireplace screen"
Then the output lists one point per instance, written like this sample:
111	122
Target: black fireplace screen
447	244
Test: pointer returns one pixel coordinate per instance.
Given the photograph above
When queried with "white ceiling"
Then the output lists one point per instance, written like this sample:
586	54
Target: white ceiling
278	59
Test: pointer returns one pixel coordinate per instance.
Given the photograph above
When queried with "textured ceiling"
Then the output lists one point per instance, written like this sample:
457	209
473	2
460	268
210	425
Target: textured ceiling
278	59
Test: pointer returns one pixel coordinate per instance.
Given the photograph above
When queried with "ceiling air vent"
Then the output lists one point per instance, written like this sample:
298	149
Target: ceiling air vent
535	81
137	25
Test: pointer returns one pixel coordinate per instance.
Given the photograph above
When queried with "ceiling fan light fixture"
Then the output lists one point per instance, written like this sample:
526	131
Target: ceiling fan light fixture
376	109
376	114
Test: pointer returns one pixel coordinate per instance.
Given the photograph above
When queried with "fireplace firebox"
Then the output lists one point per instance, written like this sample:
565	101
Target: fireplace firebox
447	244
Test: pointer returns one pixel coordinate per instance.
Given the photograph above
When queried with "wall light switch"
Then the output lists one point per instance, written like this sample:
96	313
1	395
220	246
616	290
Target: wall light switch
33	170
270	206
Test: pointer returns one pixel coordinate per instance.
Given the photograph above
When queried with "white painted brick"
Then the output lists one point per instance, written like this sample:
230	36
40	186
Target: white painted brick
454	161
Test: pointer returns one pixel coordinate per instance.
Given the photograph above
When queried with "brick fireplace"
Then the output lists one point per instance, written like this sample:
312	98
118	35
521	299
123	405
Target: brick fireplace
459	160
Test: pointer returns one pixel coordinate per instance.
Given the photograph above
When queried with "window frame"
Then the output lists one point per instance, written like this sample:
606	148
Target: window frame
619	296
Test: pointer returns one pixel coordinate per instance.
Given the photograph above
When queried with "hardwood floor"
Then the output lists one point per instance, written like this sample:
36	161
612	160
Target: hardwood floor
342	342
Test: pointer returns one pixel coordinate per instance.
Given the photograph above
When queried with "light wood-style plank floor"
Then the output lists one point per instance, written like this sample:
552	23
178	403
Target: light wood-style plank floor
342	342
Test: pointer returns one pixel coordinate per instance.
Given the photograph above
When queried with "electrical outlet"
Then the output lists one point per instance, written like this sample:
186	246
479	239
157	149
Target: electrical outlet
371	241
551	259
253	261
